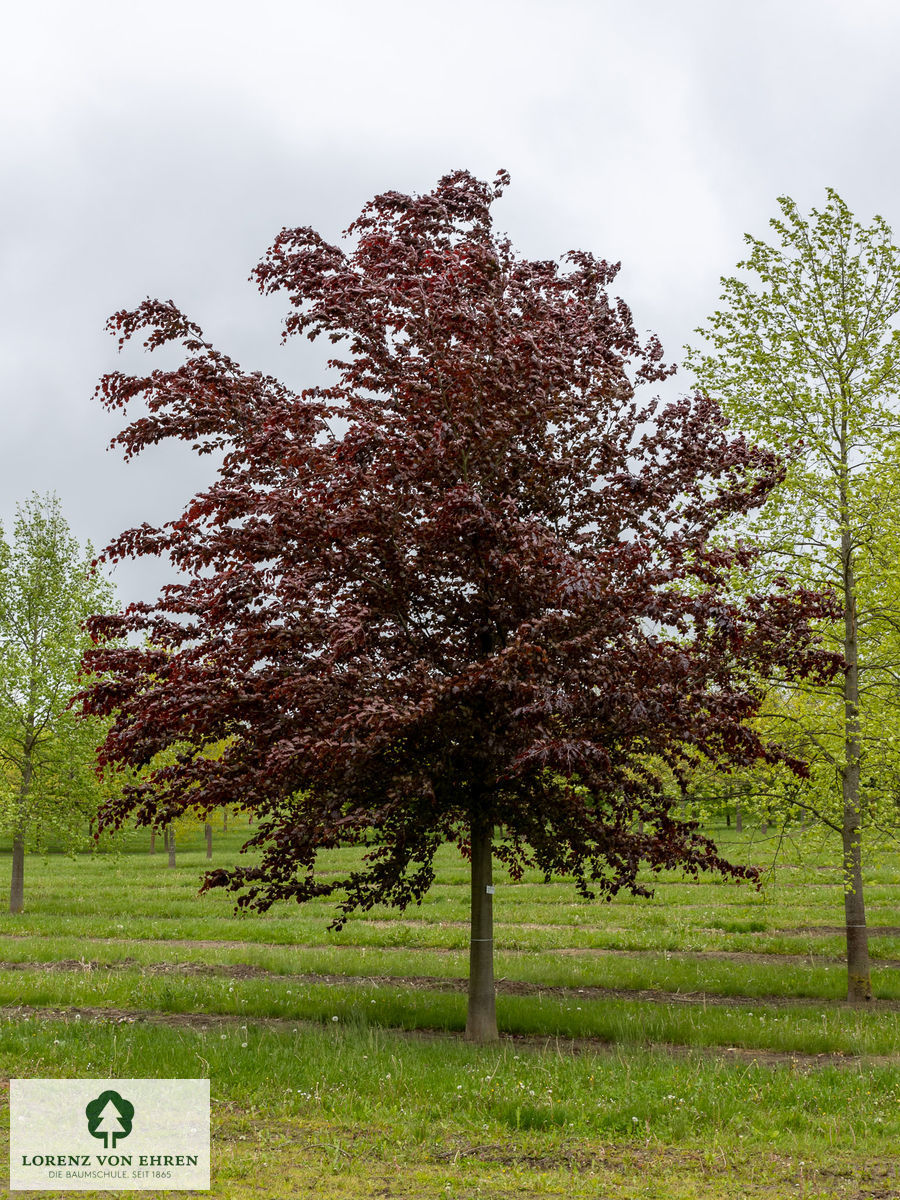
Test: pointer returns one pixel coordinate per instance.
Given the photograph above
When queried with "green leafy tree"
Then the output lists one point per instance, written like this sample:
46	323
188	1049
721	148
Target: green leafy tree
47	590
804	356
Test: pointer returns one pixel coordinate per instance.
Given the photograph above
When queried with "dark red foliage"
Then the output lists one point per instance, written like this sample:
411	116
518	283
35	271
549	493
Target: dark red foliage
471	581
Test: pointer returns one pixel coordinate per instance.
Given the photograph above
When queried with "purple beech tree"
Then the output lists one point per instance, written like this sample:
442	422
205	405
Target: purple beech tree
467	592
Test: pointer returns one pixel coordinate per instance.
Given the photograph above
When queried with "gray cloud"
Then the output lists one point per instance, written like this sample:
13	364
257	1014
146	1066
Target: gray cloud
159	150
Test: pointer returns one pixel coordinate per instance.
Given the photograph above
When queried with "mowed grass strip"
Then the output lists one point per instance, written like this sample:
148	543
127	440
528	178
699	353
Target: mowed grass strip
797	912
351	1109
755	979
371	1075
370	1103
404	931
140	910
806	1030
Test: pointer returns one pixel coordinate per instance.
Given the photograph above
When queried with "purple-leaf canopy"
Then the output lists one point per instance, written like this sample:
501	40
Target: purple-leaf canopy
473	582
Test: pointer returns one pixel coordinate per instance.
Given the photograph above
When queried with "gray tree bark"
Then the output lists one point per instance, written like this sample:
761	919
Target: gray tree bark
17	884
481	1018
17	888
170	834
208	831
859	977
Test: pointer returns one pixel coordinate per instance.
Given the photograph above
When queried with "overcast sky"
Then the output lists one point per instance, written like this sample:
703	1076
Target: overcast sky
156	149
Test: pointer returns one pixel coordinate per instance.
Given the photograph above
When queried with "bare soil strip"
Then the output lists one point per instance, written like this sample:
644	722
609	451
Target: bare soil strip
582	1045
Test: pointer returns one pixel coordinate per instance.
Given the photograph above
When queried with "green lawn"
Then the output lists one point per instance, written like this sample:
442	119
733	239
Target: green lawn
695	1044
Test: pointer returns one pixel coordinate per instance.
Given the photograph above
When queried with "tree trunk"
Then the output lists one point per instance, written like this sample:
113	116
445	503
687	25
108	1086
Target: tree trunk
738	821
152	841
727	817
859	979
17	885
171	835
481	1019
208	832
224	820
17	889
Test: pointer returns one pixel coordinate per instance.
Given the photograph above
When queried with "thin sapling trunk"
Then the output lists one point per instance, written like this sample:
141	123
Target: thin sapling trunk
859	980
17	888
17	884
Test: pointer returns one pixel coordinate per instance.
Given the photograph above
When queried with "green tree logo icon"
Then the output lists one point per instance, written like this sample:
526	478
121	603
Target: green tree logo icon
109	1117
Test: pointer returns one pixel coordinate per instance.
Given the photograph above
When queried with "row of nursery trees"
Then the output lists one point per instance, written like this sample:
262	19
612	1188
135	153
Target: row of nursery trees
52	792
477	589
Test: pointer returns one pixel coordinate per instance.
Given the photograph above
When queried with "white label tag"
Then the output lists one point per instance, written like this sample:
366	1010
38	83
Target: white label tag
108	1134
489	888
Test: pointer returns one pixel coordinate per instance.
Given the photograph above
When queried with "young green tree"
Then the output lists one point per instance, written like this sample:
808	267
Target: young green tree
47	590
803	356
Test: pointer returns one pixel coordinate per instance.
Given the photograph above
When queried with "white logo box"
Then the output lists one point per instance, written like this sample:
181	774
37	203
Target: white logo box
108	1134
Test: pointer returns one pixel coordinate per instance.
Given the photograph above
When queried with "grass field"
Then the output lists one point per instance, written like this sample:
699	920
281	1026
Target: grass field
692	1045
